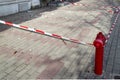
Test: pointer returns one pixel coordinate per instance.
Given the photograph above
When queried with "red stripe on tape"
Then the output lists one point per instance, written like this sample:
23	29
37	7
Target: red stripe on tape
57	36
25	27
40	31
9	23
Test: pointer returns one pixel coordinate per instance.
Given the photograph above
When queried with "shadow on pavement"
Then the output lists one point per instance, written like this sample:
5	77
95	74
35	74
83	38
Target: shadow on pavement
3	27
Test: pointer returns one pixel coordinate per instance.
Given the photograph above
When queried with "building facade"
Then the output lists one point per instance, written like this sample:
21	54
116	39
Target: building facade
14	6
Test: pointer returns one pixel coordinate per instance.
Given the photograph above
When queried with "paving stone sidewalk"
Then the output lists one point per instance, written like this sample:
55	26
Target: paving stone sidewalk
27	55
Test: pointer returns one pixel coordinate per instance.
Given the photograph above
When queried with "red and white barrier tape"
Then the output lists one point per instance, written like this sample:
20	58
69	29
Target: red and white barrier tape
44	33
103	7
112	27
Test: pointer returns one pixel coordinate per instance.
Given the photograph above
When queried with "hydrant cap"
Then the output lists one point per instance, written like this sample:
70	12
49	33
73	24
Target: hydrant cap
98	43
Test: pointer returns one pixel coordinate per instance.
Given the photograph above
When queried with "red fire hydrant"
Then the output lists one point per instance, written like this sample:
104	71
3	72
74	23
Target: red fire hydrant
99	45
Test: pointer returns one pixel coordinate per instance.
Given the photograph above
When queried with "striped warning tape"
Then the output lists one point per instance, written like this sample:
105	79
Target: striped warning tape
117	9
79	4
44	33
112	27
87	5
100	14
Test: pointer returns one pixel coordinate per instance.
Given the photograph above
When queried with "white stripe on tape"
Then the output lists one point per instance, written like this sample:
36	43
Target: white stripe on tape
65	38
83	42
48	34
31	29
15	25
3	22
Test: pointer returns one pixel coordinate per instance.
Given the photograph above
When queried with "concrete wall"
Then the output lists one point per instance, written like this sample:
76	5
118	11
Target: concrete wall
35	3
13	6
9	9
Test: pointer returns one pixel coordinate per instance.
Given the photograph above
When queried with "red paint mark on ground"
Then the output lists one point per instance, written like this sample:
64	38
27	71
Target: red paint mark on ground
110	11
39	62
97	18
6	50
21	55
27	57
85	31
51	70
